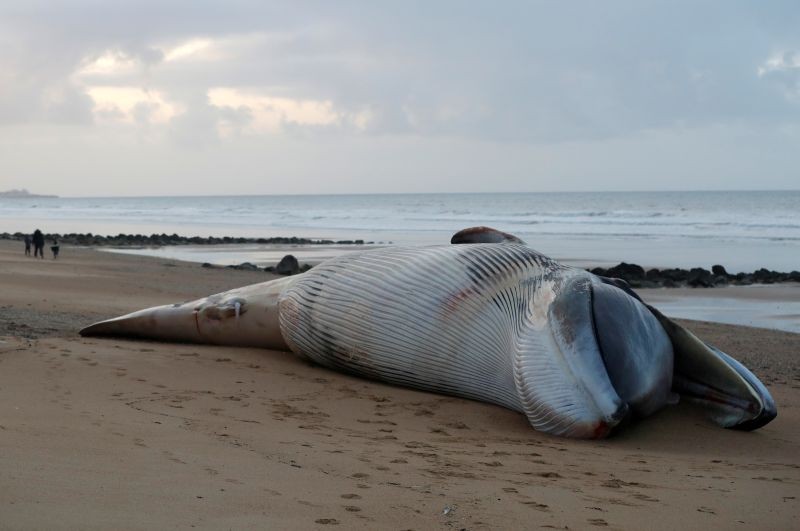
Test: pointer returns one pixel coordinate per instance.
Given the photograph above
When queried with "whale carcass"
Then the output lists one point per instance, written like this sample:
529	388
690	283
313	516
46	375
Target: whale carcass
489	319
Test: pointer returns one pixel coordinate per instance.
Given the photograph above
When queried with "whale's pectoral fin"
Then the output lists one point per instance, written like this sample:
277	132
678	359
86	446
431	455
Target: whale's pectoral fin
732	395
483	235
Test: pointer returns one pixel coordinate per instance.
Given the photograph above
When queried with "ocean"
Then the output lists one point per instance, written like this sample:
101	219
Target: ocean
741	230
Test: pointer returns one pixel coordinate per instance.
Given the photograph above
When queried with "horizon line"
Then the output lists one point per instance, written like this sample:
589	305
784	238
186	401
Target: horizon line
334	194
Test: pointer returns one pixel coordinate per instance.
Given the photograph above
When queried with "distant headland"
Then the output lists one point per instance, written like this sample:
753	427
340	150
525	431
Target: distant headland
22	194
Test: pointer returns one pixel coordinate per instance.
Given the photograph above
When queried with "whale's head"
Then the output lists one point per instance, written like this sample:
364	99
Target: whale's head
605	356
599	358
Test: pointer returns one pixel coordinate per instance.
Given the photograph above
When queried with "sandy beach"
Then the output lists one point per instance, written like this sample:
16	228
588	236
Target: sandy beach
99	434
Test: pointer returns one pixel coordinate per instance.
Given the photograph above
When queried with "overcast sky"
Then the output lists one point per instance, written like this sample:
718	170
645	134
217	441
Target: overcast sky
235	97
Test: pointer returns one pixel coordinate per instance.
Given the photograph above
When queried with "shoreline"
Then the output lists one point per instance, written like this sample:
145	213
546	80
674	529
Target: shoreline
774	306
159	240
160	244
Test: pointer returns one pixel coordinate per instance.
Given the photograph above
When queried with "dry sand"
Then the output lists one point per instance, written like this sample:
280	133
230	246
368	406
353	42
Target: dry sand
111	434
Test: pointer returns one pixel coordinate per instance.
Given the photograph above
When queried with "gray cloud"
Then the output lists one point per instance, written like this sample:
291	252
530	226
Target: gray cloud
507	78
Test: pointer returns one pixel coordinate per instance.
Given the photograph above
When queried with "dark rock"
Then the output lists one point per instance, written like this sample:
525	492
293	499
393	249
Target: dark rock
305	267
269	269
245	266
719	271
700	278
676	275
627	272
764	276
719	280
794	276
206	264
288	266
599	271
654	276
653	273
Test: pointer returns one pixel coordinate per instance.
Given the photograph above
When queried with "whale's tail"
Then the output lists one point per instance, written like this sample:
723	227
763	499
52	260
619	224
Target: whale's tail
241	317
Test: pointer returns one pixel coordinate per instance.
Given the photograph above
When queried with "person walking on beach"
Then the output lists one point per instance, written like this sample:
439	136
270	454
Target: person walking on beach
27	239
55	248
38	244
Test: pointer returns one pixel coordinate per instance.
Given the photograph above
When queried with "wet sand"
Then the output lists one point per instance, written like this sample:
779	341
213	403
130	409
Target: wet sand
141	435
761	305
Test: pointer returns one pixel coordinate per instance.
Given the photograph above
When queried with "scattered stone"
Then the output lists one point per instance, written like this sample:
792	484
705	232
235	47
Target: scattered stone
246	266
288	266
626	272
143	240
697	277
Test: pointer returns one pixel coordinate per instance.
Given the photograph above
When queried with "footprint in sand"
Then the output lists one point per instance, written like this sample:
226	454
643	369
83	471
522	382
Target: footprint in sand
536	505
351	496
598	522
327	521
554	475
169	455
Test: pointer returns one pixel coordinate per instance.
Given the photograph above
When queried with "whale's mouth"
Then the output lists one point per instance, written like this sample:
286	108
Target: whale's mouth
636	350
631	335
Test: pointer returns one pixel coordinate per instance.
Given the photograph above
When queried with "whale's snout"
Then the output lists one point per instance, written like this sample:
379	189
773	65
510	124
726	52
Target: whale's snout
636	350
